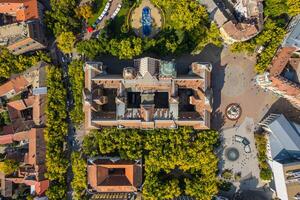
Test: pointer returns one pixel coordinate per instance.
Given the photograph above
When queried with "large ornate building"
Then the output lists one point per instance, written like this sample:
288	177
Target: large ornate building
148	95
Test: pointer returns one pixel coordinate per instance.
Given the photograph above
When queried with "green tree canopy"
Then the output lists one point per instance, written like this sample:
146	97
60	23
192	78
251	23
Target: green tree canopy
79	182
66	41
9	166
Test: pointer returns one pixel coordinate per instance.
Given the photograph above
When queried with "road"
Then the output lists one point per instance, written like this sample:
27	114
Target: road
63	61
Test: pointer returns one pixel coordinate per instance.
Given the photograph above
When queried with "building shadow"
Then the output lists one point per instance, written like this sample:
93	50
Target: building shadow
282	106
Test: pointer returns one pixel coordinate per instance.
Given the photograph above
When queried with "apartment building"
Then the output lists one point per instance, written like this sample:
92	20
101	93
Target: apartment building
283	150
238	20
26	132
148	95
21	30
283	76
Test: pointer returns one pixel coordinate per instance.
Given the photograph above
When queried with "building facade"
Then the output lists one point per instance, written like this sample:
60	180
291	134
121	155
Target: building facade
283	76
21	30
283	150
148	95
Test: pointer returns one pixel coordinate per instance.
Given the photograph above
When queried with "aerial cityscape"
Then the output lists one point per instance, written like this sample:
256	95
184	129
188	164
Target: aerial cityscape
150	99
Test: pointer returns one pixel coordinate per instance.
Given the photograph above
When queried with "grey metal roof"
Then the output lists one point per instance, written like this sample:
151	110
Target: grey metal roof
284	138
293	37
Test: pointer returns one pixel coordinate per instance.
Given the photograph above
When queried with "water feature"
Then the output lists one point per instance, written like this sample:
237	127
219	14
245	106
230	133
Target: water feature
232	154
146	21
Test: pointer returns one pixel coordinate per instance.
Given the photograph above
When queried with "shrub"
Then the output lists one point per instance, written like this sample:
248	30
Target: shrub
265	174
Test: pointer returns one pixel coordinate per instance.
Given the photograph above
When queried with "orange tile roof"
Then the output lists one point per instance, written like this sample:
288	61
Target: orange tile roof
100	180
41	186
37	146
280	60
23	9
240	31
6	139
17	84
285	86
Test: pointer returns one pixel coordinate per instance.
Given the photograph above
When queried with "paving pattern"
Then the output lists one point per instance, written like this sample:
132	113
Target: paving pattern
234	82
247	163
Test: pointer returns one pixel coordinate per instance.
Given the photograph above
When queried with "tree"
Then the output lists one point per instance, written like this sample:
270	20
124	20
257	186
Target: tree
154	188
9	166
62	17
275	8
293	7
55	134
76	77
92	48
265	174
183	14
201	187
79	182
126	48
10	63
212	36
84	11
56	191
66	41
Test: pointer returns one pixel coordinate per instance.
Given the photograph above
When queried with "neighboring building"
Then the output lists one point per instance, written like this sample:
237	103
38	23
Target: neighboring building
284	155
26	131
18	11
148	95
238	20
114	175
23	37
21	30
28	110
13	87
283	76
32	165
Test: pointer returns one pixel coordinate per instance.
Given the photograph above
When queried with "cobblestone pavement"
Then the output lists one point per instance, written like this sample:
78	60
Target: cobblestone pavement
247	163
234	82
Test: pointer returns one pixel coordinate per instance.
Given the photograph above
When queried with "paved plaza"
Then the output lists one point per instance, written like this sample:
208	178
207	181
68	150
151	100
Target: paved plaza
246	164
234	82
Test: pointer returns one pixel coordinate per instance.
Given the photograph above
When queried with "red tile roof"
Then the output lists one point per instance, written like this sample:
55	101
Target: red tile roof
37	146
23	9
41	186
280	60
17	85
100	179
6	139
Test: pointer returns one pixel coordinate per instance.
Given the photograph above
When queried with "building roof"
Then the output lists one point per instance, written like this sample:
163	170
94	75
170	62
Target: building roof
17	85
114	175
284	139
292	39
286	178
37	146
41	186
148	95
23	9
240	31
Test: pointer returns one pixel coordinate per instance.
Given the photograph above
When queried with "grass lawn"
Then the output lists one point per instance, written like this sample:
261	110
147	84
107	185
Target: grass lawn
98	8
